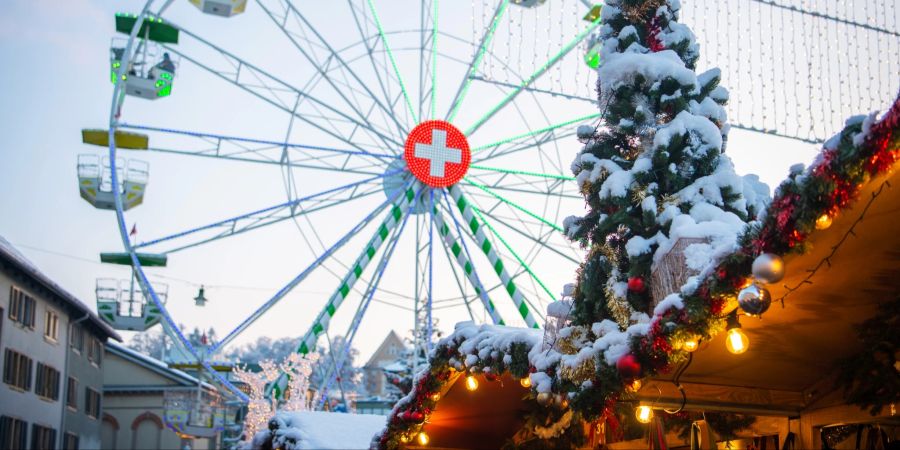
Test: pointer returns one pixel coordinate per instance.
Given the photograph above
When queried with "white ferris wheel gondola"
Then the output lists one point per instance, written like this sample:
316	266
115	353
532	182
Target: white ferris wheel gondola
96	186
223	8
125	307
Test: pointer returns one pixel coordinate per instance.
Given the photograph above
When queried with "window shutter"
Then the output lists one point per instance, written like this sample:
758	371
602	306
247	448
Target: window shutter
27	363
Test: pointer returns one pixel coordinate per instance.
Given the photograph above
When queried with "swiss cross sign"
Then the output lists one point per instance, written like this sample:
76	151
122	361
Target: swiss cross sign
437	153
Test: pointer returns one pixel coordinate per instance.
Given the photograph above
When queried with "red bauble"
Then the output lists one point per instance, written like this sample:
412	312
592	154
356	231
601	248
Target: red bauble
490	376
405	416
416	417
628	366
637	285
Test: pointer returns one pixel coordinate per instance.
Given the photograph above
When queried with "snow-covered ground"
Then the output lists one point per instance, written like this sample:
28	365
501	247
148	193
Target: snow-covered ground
321	430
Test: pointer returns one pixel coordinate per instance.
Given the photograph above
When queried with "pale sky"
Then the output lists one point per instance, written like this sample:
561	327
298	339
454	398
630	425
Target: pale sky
56	82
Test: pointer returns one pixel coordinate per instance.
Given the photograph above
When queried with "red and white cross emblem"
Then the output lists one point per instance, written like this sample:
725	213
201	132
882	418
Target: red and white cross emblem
437	153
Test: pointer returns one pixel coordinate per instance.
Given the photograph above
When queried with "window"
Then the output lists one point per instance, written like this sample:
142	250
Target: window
76	340
46	383
51	325
70	441
72	393
91	403
95	351
17	370
42	438
21	307
13	432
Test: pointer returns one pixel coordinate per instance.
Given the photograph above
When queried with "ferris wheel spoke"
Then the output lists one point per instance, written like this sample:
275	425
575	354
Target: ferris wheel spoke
427	57
536	141
305	29
270	85
522	173
272	144
457	245
434	54
537	240
398	213
370	55
529	134
534	76
523	266
429	324
528	188
514	204
476	61
366	298
390	54
270	215
364	305
392	201
462	290
551	93
477	231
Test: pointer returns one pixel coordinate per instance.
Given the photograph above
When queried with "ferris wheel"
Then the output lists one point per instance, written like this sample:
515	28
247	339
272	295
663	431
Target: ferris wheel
425	157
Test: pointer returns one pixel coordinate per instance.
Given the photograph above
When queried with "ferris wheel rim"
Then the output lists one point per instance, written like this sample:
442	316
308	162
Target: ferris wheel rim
118	100
115	125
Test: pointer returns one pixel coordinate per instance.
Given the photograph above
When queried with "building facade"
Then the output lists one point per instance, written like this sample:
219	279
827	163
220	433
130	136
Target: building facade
135	388
388	353
51	396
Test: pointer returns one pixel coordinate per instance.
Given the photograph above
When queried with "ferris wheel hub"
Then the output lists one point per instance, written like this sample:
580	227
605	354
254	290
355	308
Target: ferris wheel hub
437	153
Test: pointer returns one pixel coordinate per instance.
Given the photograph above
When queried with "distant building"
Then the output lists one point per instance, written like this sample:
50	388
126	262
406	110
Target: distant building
135	386
389	353
53	353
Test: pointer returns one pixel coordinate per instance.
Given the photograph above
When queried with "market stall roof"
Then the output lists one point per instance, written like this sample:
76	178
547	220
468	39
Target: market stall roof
851	267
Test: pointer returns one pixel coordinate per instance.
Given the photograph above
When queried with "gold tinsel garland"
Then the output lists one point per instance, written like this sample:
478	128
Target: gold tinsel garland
580	373
638	13
618	306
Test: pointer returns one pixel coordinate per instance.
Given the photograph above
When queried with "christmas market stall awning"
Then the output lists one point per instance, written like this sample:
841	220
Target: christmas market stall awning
851	268
831	230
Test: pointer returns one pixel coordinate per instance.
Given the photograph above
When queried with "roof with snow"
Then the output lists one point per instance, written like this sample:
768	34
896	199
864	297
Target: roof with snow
154	365
11	257
321	430
380	355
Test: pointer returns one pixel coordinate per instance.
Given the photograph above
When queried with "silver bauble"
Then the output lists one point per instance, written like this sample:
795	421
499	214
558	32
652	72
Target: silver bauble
768	268
544	398
754	300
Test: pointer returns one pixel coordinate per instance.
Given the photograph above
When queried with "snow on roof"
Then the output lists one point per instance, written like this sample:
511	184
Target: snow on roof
155	365
321	430
15	257
395	367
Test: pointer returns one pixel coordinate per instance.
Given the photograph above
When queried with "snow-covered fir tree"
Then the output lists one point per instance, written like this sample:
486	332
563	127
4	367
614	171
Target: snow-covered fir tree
656	170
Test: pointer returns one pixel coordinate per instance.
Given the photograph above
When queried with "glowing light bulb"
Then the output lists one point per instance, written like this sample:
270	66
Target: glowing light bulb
823	222
404	438
644	414
471	383
422	438
736	341
525	382
634	386
435	397
690	345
